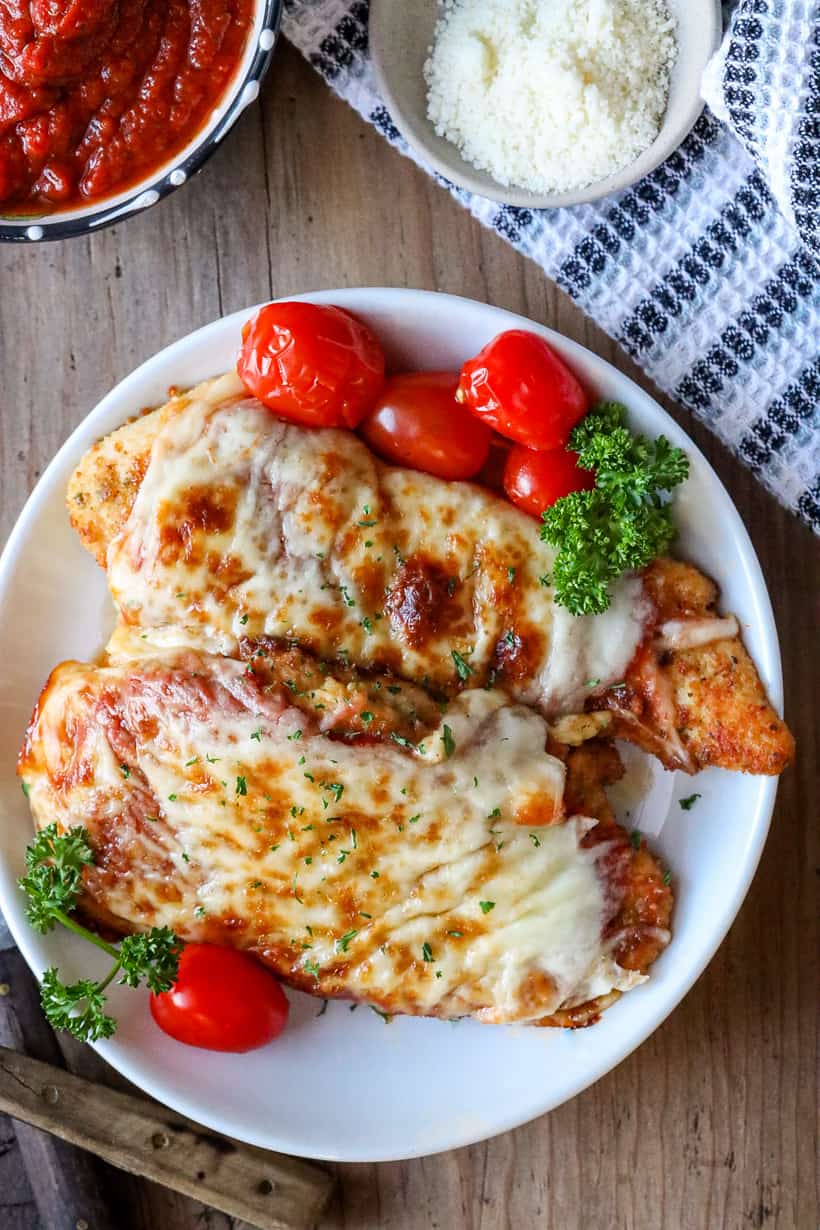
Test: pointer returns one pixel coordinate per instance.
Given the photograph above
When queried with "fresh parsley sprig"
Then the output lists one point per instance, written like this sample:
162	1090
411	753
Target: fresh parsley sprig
623	522
52	885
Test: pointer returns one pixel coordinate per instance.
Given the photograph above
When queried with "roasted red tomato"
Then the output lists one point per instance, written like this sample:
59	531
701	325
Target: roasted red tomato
311	363
222	1000
534	481
518	385
417	422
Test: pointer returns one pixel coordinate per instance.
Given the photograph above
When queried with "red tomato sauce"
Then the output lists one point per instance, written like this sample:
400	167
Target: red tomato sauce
95	94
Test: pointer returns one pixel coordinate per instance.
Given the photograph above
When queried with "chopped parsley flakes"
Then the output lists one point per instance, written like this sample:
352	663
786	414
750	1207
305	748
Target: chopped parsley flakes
342	944
688	803
463	668
400	739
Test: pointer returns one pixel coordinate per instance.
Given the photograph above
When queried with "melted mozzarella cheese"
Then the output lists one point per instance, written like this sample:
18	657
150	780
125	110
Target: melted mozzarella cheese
677	634
423	880
244	526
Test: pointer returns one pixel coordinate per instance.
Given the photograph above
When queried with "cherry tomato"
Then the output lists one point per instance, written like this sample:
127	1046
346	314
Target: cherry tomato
491	473
311	363
222	1000
518	385
535	480
417	422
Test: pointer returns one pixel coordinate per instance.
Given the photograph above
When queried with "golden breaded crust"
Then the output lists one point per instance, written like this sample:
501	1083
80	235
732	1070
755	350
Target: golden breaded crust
678	590
724	715
102	490
708	702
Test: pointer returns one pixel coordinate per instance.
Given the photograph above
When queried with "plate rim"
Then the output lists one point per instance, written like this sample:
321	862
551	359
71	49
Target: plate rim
119	1055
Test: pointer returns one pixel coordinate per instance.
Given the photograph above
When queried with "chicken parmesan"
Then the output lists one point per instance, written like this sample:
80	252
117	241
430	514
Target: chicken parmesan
358	840
223	528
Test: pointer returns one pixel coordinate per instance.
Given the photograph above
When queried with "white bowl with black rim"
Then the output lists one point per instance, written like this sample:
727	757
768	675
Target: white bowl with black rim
159	182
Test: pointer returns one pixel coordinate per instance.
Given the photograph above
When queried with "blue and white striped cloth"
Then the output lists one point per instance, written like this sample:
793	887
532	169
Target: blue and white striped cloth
708	271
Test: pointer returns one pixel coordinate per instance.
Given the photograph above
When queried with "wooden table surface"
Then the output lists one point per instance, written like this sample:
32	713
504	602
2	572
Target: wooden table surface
712	1124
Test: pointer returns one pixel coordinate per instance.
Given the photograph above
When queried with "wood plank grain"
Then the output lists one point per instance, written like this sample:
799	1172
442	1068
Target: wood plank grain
146	1139
68	1184
712	1124
17	1208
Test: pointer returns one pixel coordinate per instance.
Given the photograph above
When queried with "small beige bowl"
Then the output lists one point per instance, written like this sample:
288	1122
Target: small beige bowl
401	33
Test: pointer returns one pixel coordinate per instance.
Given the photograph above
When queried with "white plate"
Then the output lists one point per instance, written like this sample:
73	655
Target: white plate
344	1085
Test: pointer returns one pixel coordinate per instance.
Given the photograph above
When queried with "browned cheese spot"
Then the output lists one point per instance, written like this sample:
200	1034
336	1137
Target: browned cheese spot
201	512
418	600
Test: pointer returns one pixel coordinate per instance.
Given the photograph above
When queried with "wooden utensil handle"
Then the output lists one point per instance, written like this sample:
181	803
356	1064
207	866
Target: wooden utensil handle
271	1191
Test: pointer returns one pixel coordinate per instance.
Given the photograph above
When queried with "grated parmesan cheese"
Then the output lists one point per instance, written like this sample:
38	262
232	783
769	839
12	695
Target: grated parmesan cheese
550	95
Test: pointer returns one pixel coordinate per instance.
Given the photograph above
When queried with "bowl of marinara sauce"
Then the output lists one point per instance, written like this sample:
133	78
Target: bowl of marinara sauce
106	106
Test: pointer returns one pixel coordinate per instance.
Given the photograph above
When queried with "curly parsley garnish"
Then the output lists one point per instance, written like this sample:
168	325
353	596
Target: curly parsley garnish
623	522
52	884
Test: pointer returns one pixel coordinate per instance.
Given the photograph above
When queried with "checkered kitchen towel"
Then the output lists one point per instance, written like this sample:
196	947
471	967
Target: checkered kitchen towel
708	271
